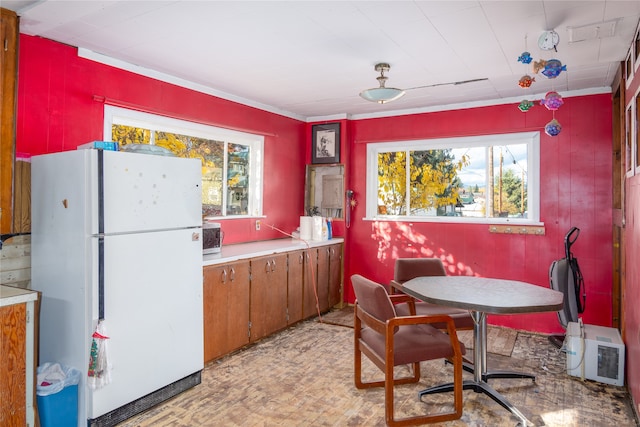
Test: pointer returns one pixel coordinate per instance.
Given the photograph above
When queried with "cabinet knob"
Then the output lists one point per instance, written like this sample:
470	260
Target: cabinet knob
224	275
232	274
266	267
273	265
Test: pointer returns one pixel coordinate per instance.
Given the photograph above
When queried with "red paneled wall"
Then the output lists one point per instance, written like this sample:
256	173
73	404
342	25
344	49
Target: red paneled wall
631	291
57	112
576	190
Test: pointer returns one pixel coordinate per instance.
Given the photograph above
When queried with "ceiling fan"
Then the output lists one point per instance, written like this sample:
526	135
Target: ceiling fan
384	94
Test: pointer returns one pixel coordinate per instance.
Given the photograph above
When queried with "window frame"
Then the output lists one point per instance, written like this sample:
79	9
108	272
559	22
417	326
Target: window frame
532	139
156	122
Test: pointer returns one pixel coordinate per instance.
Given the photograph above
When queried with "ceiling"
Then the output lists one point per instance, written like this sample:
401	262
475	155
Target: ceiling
310	59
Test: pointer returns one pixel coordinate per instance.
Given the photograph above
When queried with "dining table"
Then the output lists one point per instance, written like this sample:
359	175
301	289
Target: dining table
482	296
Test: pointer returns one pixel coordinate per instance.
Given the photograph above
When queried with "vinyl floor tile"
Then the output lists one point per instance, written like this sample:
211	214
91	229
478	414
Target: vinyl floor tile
303	376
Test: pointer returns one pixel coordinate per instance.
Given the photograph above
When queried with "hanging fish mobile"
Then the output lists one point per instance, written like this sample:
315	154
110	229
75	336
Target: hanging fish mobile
525	58
525	81
553	68
552	100
539	65
553	128
525	105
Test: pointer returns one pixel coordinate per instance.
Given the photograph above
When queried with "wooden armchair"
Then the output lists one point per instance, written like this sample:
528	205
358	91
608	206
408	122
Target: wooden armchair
410	268
388	341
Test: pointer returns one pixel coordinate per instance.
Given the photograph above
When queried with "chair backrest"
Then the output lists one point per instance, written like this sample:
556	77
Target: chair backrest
410	268
373	298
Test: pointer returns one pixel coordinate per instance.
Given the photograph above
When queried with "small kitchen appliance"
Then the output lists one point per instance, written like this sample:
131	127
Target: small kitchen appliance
211	238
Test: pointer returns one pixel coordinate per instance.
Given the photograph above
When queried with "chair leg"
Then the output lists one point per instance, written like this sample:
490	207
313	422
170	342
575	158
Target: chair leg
423	419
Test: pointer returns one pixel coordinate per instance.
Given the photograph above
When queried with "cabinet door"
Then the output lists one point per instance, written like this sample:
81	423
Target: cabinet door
268	312
323	279
13	387
296	261
335	275
309	279
226	308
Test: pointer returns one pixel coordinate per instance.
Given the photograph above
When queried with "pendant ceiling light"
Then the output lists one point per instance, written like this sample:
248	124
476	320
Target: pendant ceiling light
382	94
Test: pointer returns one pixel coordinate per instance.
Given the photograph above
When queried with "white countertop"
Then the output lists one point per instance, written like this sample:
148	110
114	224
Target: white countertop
10	295
266	247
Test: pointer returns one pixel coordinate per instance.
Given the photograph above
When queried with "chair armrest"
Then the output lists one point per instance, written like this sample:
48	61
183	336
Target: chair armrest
396	322
398	298
403	298
395	287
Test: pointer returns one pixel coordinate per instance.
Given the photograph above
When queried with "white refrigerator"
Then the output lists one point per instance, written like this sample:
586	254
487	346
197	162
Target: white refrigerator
116	236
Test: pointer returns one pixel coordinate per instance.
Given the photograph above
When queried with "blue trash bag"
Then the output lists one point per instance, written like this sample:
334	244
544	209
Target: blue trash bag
54	377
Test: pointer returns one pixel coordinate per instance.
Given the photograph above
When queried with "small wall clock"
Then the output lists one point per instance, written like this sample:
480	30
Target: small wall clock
549	40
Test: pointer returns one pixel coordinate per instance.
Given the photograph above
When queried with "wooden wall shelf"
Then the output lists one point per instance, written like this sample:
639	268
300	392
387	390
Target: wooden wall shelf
536	230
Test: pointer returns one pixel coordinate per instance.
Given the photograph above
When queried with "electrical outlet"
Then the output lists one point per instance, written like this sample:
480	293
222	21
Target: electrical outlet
257	225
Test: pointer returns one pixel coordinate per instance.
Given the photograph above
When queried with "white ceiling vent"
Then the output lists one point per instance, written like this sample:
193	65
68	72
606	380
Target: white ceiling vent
594	31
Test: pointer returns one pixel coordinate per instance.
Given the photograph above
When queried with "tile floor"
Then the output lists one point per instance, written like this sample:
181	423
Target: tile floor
303	376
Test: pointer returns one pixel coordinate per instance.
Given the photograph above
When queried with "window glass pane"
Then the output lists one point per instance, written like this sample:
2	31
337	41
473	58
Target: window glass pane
212	177
509	181
238	179
392	179
475	178
435	184
124	135
231	161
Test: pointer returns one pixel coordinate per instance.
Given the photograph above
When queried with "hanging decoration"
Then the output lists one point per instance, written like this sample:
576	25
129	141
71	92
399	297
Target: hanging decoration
552	100
553	128
99	372
525	58
525	105
553	68
539	65
526	81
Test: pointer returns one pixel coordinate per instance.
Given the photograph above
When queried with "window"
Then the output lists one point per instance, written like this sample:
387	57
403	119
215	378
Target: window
490	178
231	160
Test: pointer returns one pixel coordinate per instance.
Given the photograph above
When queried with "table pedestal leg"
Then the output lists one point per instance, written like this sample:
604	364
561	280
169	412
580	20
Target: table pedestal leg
480	374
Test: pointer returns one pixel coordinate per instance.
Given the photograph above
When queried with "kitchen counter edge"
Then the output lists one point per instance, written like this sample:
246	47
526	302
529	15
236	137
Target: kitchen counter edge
10	295
240	251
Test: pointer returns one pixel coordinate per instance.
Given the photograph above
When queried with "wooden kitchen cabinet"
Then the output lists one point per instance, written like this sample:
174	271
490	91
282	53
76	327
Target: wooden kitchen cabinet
322	267
226	293
9	34
295	286
268	303
309	283
247	300
335	275
323	278
17	353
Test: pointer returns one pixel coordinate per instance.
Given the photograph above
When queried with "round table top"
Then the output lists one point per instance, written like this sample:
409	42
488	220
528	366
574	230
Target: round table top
497	296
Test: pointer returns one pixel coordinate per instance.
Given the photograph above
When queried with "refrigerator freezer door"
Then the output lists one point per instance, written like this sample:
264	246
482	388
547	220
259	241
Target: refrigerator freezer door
148	192
153	314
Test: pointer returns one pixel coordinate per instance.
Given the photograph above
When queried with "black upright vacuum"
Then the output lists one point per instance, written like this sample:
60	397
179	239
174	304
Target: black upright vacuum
565	276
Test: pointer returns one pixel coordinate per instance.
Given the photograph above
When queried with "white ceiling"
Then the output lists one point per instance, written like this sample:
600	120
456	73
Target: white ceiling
310	59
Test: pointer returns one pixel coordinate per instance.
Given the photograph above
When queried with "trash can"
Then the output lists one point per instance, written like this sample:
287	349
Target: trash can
57	395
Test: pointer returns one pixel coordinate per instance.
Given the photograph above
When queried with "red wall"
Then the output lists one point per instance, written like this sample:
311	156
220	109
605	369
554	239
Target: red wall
576	190
631	291
57	112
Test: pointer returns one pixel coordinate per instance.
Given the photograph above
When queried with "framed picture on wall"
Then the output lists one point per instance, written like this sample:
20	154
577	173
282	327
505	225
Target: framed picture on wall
325	143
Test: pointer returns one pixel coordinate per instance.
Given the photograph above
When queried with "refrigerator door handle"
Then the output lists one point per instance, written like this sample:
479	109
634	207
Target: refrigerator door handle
101	234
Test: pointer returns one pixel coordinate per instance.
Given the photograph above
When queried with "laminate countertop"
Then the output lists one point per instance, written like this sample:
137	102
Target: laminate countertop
241	251
10	295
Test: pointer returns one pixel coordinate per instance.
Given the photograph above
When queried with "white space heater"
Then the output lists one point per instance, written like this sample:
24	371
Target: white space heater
595	353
